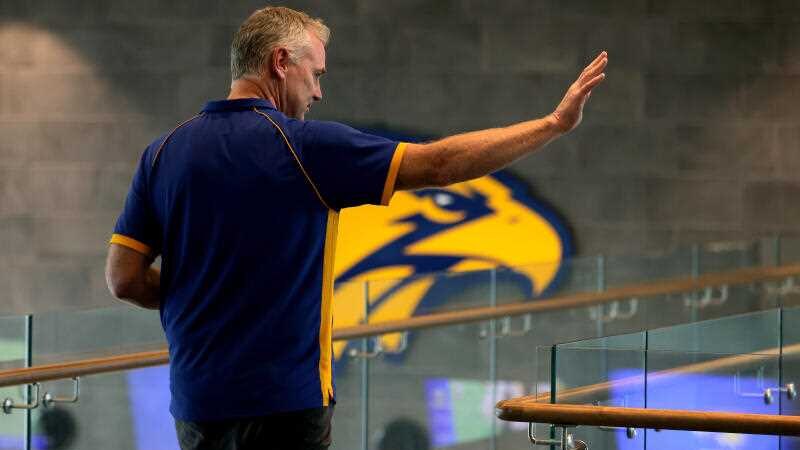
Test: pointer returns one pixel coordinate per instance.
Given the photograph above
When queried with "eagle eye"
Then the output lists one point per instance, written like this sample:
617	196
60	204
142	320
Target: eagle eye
443	199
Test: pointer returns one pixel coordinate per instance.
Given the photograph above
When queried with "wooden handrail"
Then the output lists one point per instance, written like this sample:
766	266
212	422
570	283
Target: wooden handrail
643	291
90	366
526	409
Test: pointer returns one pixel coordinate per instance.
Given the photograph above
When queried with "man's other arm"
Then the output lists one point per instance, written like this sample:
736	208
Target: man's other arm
472	155
130	277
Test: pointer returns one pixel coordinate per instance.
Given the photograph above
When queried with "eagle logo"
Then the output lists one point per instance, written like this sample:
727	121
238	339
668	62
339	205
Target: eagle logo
395	255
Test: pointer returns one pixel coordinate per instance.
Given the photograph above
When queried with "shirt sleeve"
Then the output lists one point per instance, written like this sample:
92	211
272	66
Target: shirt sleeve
349	167
137	227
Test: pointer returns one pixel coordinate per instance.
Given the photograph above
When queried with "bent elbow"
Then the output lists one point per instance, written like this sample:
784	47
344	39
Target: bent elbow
120	287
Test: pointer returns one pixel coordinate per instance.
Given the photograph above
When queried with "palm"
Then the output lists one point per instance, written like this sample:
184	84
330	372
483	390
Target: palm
569	112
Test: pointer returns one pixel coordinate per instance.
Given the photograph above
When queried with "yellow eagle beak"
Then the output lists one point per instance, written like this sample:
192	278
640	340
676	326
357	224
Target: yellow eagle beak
512	236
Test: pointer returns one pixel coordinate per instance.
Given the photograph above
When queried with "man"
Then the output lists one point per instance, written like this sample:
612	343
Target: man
242	201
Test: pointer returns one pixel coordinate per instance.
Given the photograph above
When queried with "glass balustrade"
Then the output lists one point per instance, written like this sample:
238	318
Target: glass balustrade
437	386
14	346
745	363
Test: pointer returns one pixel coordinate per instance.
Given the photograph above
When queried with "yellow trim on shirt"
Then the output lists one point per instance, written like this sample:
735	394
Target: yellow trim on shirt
391	177
326	316
130	243
296	158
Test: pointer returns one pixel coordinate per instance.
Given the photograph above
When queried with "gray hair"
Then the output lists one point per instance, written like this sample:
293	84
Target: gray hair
267	29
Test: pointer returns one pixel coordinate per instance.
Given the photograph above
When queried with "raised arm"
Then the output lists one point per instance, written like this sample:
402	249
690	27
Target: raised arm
475	154
130	277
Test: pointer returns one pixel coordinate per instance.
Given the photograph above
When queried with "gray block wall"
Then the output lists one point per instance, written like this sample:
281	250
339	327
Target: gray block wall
693	137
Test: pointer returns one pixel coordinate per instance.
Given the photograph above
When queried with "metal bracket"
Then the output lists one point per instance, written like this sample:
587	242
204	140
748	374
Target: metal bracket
49	399
791	393
787	287
403	345
505	327
566	442
483	331
614	313
766	393
9	406
630	432
708	298
377	350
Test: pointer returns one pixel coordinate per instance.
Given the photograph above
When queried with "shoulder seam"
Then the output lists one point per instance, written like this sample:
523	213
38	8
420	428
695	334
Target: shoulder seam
296	157
164	142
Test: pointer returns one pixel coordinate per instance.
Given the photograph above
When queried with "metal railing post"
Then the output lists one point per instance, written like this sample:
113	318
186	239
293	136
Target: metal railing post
493	354
695	273
28	363
601	286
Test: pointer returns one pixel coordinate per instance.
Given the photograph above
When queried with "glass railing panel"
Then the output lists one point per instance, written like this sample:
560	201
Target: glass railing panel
349	411
601	376
122	410
630	341
786	394
444	291
350	299
627	269
13	354
711	382
731	255
438	390
724	364
757	332
545	281
433	385
520	371
787	291
96	332
13	341
718	301
789	249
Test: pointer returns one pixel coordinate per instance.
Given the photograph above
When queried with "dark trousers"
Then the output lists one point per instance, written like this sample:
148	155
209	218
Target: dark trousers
307	429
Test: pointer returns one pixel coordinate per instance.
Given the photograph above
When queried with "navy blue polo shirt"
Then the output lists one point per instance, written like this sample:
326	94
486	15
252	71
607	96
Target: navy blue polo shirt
242	203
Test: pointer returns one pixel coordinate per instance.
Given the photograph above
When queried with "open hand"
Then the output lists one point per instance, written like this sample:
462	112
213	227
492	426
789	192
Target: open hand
569	112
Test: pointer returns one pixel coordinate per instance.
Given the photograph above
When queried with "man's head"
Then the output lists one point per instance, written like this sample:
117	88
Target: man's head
284	50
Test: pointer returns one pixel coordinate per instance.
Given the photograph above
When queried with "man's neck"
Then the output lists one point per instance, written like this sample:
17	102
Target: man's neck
251	88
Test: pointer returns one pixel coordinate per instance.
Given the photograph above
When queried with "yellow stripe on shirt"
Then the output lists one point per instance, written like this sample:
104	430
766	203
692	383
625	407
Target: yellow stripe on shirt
326	316
391	176
131	243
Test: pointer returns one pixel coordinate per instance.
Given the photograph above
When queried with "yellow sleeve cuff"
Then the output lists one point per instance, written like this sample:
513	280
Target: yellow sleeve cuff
391	177
131	243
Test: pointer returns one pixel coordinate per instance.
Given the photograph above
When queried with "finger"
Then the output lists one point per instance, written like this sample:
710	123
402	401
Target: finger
592	83
589	66
602	55
596	61
593	70
600	61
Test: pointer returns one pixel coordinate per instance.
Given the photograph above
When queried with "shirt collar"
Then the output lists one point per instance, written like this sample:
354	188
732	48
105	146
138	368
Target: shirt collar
237	105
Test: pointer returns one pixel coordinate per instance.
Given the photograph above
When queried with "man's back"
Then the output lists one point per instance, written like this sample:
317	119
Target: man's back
230	201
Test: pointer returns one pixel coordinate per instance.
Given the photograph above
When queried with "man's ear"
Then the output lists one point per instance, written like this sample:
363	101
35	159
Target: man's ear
279	63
